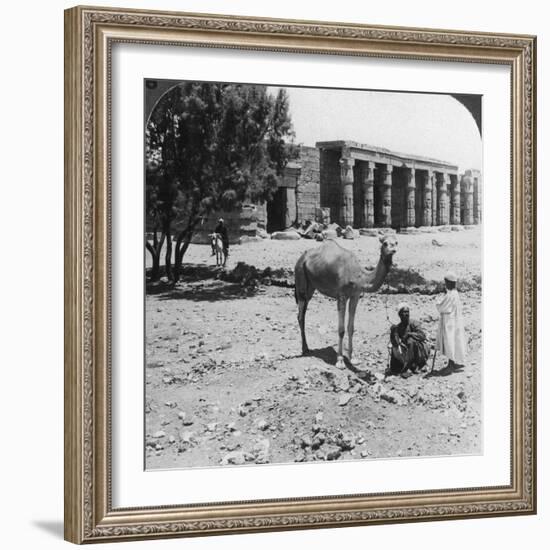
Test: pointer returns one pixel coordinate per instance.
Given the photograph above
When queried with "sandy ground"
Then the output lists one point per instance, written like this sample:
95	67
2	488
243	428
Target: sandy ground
225	383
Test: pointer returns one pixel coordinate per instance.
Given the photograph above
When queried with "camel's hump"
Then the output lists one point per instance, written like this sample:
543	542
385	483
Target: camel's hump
331	252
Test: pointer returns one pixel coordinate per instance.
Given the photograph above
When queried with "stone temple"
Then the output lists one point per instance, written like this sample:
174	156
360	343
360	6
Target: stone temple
365	187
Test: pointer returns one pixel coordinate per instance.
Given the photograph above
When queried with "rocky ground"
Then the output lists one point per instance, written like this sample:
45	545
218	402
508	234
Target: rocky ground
225	384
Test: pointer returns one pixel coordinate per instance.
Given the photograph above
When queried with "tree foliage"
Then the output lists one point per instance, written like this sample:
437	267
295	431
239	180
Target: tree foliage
211	147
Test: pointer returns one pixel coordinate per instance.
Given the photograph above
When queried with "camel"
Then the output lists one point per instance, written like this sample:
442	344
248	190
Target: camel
335	272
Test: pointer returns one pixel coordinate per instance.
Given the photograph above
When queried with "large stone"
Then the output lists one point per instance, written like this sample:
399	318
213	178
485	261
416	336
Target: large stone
350	233
368	232
335	227
286	235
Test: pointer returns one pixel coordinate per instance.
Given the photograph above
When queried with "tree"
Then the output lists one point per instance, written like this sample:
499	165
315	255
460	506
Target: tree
210	147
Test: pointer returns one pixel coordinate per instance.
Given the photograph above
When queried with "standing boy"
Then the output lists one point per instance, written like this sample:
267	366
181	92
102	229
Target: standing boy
451	340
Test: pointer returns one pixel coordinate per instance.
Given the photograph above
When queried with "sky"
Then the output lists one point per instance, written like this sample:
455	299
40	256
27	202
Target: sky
430	125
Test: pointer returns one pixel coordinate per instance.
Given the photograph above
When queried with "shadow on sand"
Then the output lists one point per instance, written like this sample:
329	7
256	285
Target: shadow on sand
212	292
329	356
445	371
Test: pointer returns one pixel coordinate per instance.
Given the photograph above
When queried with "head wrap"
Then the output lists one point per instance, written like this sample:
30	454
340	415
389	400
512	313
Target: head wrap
450	276
402	305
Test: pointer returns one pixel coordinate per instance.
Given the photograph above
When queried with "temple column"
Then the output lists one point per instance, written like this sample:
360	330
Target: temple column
367	175
346	182
442	199
411	190
427	198
467	188
455	200
433	178
386	180
477	201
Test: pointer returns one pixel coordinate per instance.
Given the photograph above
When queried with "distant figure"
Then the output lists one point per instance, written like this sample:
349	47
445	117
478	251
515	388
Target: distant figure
221	230
410	349
451	340
217	246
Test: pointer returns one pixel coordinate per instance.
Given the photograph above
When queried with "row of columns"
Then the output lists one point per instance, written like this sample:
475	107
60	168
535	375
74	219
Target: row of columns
442	196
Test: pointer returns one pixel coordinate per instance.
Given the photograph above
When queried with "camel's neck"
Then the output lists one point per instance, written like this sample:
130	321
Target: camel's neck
374	280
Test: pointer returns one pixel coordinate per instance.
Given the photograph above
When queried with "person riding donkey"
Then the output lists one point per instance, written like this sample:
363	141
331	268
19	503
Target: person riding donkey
221	230
409	345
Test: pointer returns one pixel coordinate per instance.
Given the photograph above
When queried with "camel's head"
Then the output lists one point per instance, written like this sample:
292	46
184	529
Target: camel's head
388	248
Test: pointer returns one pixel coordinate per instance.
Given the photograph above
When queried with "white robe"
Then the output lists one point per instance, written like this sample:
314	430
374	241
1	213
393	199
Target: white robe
451	340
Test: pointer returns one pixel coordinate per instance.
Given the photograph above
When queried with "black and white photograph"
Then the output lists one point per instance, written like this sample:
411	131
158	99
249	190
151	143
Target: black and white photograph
313	274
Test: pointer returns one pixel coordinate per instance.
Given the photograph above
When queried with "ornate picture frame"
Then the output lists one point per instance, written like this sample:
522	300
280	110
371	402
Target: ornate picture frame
90	34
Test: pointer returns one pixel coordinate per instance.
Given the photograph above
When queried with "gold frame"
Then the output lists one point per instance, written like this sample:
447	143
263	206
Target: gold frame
89	34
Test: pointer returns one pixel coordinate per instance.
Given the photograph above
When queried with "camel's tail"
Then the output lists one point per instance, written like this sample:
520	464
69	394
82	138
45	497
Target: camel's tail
301	279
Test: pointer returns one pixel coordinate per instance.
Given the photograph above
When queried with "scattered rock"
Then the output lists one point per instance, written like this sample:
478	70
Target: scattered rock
187	437
235	458
344	400
346	442
159	434
394	397
333	453
318	441
300	456
261	451
350	233
262	424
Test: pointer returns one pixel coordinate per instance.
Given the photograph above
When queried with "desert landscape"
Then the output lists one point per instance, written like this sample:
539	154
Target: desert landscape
226	383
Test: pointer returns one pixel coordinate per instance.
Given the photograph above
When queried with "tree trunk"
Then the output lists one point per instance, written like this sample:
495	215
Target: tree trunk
168	257
155	250
182	244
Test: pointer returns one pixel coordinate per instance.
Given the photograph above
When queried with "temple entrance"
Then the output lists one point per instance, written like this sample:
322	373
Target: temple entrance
276	208
281	209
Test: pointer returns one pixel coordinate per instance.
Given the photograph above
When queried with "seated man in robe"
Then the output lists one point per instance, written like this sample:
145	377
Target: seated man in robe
409	345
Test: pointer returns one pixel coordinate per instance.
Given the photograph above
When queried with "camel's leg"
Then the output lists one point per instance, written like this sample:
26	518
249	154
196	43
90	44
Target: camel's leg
341	330
354	300
303	291
302	308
